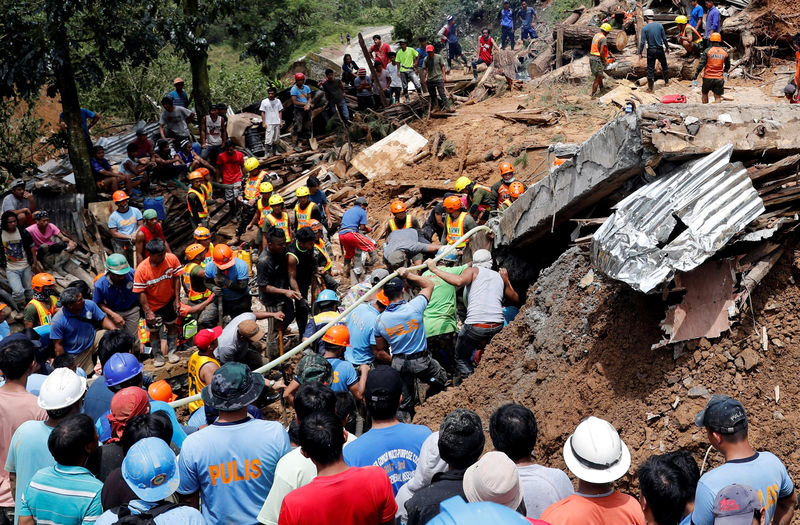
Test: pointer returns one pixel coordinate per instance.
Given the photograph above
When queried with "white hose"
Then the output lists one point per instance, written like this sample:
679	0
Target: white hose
319	333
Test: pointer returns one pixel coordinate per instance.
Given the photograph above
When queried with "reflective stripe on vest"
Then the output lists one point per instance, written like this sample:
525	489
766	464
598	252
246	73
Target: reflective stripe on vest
596	45
187	280
320	245
393	225
715	62
44	314
282	223
200	195
456	230
262	212
303	216
251	190
196	385
208	188
689	29
505	204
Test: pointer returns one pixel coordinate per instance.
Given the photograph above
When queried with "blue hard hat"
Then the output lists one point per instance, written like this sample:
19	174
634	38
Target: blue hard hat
456	511
120	367
327	295
150	469
450	257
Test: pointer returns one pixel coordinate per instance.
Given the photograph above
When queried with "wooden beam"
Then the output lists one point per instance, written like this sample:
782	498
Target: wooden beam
559	45
371	67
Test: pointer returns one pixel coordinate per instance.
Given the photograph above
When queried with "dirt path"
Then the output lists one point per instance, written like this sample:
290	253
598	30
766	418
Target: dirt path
336	53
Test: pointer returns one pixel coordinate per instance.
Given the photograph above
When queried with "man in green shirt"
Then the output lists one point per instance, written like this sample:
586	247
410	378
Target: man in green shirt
434	74
407	58
440	317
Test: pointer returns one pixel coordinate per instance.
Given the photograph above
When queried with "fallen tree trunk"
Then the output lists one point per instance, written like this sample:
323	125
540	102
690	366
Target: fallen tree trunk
636	67
577	36
606	7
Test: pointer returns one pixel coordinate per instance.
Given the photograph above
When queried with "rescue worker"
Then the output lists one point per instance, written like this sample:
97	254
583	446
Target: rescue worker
305	211
325	310
202	365
515	189
262	210
401	219
688	36
301	265
458	221
197	200
276	217
599	56
324	260
250	194
194	282
500	188
229	277
150	229
714	63
41	309
480	198
202	236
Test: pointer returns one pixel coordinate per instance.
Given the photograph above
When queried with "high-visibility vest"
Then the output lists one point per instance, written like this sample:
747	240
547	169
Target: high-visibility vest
393	225
200	195
505	204
689	29
196	385
455	229
193	294
715	62
263	211
45	315
502	192
303	216
251	190
208	189
209	255
320	245
596	46
487	189
282	223
144	332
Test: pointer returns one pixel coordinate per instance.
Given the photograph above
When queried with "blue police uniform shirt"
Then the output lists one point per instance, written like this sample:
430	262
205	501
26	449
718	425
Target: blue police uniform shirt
395	449
402	326
344	375
238	272
360	324
764	472
116	298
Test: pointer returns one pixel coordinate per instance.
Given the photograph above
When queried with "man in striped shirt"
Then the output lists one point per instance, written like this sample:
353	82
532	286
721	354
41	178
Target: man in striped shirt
67	493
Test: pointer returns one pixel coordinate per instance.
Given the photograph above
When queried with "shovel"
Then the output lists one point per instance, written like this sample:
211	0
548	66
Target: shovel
312	142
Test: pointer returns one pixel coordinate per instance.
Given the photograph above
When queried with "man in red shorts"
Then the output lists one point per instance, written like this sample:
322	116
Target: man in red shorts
354	221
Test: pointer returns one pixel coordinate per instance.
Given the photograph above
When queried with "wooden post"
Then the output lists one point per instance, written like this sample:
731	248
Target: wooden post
371	67
559	46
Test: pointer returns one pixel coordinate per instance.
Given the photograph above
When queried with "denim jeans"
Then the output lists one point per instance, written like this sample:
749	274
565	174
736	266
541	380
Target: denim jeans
20	282
470	339
410	76
343	109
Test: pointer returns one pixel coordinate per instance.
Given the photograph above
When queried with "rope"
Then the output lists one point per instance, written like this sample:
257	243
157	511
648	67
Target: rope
319	333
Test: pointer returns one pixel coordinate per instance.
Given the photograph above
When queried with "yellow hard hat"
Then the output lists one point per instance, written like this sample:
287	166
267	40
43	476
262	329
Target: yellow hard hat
265	187
681	19
462	182
715	37
251	164
275	199
606	27
302	191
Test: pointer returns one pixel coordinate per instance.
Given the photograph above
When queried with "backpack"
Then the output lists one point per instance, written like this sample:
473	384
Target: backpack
125	517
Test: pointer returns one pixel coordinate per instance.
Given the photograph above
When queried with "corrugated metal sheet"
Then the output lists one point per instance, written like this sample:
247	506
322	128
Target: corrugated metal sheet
63	209
116	145
676	222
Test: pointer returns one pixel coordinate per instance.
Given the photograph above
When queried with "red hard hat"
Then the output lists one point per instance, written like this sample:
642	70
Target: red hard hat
299	76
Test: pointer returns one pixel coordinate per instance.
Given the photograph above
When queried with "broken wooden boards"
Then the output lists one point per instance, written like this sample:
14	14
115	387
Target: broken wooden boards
389	153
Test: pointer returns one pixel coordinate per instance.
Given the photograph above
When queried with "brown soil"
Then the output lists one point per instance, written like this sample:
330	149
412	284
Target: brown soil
576	352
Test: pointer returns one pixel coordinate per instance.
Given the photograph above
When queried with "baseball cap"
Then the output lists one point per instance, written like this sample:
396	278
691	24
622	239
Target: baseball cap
736	505
250	330
361	201
393	287
149	213
233	386
722	414
314	369
429	47
378	275
383	384
206	336
178	80
396	258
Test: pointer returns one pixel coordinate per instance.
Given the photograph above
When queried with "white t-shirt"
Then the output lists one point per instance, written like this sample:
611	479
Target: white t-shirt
382	81
394	74
214	131
272	110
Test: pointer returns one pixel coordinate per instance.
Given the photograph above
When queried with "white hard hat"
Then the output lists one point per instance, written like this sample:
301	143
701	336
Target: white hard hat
60	389
649	13
595	453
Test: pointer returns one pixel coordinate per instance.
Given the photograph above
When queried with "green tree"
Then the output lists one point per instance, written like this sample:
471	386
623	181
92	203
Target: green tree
61	43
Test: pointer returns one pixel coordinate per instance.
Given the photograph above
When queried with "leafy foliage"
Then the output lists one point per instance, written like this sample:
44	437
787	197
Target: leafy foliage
417	18
19	134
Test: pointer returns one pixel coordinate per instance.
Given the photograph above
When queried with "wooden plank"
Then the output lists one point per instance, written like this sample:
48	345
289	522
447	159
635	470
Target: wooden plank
559	45
371	66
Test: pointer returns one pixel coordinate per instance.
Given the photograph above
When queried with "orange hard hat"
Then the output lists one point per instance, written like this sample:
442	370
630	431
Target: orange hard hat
201	232
715	37
195	175
515	189
315	225
452	203
161	391
381	298
119	195
506	167
337	335
193	250
398	206
223	256
40	280
202	171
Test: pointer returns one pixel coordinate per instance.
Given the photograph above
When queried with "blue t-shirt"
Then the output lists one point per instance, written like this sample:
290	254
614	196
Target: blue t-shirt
402	326
98	399
99	165
183	515
507	18
28	453
319	199
526	16
695	16
352	219
712	21
238	272
5	330
117	298
395	449
178	435
179	99
360	324
125	223
422	54
76	331
232	465
344	375
301	94
86	116
764	472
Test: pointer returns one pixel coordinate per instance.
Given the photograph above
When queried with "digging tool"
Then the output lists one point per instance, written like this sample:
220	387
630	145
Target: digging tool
280	337
312	142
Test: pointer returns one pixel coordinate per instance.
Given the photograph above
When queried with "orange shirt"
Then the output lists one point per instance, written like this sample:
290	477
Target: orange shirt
616	508
156	281
797	70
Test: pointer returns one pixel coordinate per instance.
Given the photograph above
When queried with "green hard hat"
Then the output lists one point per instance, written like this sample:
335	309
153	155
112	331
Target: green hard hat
117	264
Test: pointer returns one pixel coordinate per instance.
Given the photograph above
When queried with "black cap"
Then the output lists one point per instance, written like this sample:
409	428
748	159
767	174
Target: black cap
722	414
393	287
383	384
